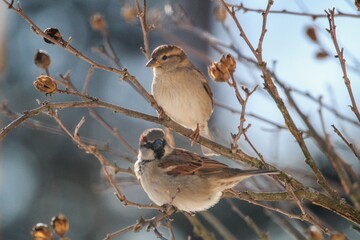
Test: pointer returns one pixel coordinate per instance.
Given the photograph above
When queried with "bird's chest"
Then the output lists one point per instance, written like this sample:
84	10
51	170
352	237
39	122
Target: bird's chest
183	98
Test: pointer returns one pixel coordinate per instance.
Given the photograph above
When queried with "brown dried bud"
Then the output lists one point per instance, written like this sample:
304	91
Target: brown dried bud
321	54
60	224
54	33
45	84
154	17
311	33
41	232
357	4
229	62
314	233
219	72
128	12
220	13
42	59
337	236
98	22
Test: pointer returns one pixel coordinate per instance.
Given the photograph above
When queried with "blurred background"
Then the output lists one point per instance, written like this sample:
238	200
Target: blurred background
42	172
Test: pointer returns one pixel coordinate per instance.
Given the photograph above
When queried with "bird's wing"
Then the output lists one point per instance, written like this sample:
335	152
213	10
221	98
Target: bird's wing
181	162
205	84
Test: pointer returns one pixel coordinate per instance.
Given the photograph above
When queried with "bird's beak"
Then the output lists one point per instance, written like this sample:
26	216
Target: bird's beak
152	63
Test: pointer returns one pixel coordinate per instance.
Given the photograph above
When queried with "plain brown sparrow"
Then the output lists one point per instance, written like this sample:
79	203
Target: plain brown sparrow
182	90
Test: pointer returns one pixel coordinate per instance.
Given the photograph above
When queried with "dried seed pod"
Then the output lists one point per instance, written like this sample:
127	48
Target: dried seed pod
321	54
54	33
337	236
41	232
214	73
98	23
357	4
314	233
219	72
311	33
155	16
229	62
60	224
42	59
45	84
128	12
220	12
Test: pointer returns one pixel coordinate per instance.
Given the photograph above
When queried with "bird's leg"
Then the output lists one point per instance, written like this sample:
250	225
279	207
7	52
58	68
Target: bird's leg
173	197
169	209
195	135
161	113
165	214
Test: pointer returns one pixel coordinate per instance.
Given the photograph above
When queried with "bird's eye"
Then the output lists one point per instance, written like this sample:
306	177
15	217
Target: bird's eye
164	57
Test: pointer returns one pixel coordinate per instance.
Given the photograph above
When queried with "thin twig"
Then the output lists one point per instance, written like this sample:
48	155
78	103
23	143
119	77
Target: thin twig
218	225
104	162
254	115
329	107
325	145
241	7
286	225
243	102
199	229
145	29
340	55
124	73
272	90
139	225
170	229
249	221
349	144
338	207
305	215
87	80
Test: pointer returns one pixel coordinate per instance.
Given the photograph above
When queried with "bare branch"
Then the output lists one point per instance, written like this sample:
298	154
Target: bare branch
219	226
314	16
349	144
145	29
124	73
249	221
340	55
272	90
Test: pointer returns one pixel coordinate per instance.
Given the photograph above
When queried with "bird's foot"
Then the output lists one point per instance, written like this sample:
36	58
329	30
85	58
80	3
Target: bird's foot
195	135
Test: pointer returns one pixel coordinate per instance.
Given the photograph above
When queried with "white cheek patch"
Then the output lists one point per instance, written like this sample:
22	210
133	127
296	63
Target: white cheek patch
146	154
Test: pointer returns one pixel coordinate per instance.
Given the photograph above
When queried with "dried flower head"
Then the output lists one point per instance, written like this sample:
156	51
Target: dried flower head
42	59
219	72
98	23
41	232
60	224
321	54
54	33
220	12
311	33
128	12
229	62
45	84
155	16
337	236
314	233
222	70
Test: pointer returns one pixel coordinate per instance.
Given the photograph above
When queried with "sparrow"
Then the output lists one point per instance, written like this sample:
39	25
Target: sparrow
179	178
182	91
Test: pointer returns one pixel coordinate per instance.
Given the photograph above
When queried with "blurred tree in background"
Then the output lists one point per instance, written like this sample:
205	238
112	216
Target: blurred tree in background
301	118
